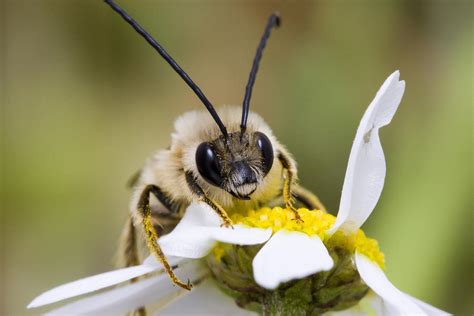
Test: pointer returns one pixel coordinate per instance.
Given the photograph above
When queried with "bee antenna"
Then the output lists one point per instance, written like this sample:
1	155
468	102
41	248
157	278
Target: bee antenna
171	62
273	21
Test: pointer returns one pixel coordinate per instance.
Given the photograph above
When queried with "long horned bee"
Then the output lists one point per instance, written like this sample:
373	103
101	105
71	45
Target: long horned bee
229	160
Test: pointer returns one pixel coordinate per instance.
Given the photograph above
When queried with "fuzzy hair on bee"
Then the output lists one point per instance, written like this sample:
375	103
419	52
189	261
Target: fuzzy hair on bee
245	179
227	158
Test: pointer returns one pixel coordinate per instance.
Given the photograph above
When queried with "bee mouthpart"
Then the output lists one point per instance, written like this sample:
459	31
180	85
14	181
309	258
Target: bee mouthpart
243	192
240	197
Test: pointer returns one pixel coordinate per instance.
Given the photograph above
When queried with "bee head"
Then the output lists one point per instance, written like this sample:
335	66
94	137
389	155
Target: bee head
236	164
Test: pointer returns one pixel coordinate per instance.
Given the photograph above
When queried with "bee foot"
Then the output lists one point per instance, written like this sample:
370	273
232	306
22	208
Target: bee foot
187	286
297	217
227	225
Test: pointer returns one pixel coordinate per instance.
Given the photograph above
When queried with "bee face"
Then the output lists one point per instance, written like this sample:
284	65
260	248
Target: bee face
237	164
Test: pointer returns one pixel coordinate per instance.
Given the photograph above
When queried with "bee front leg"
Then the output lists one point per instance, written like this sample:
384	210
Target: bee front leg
129	256
151	233
199	192
309	199
128	246
289	175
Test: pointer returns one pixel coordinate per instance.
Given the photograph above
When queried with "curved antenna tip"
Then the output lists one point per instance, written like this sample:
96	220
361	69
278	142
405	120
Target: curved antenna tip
277	17
273	21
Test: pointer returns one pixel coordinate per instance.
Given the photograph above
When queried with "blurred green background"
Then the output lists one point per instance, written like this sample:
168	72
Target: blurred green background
85	101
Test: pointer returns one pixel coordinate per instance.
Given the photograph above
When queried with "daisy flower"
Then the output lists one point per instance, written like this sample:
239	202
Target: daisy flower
269	263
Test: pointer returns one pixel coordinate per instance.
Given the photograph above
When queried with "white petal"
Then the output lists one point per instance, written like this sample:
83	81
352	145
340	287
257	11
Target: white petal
241	235
374	277
365	172
373	304
191	238
195	242
289	255
121	300
206	299
90	284
199	214
197	233
427	308
152	261
370	305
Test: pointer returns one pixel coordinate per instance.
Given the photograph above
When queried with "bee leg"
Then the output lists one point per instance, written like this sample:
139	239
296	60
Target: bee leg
128	245
289	174
139	312
198	191
308	198
151	233
129	255
133	180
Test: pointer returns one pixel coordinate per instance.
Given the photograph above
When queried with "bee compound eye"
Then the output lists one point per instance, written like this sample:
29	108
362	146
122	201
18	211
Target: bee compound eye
265	146
208	164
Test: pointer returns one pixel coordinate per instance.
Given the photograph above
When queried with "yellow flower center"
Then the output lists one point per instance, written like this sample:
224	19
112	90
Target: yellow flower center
314	223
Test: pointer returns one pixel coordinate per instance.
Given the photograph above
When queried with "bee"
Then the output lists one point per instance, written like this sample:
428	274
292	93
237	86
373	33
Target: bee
229	160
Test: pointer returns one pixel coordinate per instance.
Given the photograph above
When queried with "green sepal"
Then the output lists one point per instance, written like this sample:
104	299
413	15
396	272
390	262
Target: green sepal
336	289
